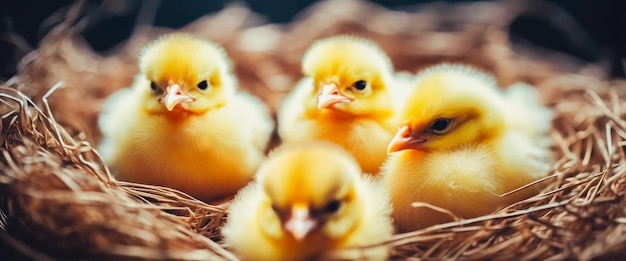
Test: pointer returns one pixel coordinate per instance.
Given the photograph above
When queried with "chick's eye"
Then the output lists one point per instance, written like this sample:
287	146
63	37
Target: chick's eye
360	85
332	207
440	126
277	210
203	85
153	86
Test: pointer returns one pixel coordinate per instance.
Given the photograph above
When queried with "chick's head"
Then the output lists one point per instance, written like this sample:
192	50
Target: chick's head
310	192
185	73
451	106
350	75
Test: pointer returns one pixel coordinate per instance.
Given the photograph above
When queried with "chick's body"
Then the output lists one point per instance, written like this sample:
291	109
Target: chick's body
463	143
183	124
346	98
308	200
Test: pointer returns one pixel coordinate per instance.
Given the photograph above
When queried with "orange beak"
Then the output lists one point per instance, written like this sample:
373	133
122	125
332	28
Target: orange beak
300	223
174	96
404	140
330	96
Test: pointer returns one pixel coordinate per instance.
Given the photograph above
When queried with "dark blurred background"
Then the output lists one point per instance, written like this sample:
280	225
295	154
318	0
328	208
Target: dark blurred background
599	31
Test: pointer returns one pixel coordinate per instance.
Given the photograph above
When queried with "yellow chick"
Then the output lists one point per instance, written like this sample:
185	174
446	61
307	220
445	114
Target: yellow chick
462	144
346	97
308	200
183	124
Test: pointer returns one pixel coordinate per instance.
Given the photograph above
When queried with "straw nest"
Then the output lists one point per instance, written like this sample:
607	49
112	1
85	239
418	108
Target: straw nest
58	200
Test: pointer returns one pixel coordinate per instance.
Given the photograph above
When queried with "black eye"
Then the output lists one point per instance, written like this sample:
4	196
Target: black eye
360	85
440	126
203	85
153	86
333	206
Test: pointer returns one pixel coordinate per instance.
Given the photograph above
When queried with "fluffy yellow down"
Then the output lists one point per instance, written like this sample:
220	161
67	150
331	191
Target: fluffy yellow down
462	143
307	200
183	124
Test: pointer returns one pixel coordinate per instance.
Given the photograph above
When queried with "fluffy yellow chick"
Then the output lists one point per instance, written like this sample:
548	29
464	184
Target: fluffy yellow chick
346	97
183	124
462	144
307	200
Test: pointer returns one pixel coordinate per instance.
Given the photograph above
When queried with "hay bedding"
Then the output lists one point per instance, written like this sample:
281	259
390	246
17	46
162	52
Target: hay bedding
58	200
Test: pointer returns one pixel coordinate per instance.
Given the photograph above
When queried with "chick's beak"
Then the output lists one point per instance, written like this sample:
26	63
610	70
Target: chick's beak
404	140
174	96
330	96
300	222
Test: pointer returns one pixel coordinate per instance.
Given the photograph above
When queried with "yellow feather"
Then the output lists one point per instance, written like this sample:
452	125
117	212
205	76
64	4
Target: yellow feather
363	126
311	174
485	153
210	148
